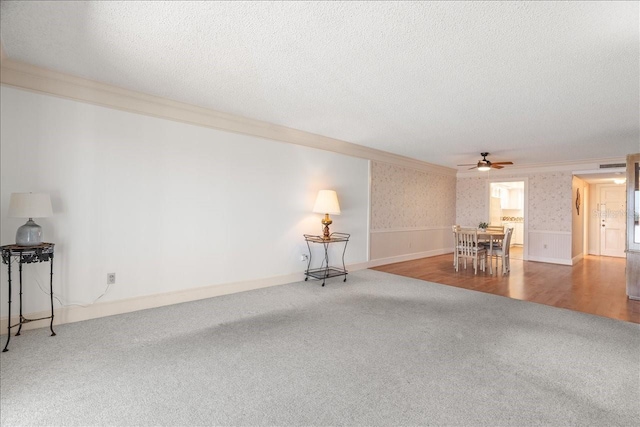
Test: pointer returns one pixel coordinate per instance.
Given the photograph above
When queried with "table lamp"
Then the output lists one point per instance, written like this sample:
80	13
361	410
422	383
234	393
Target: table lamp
29	205
327	203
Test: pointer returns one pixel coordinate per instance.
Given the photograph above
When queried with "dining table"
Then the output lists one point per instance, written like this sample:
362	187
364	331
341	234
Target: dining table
490	237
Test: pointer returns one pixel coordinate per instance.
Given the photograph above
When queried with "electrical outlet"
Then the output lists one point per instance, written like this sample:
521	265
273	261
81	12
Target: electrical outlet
111	278
304	257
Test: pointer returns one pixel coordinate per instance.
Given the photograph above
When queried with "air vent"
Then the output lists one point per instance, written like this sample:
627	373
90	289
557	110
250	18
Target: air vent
613	165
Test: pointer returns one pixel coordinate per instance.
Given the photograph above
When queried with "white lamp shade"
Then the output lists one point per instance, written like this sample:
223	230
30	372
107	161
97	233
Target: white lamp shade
30	205
327	203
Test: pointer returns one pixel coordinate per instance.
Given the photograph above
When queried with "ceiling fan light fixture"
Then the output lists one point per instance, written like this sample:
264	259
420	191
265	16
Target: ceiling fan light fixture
485	165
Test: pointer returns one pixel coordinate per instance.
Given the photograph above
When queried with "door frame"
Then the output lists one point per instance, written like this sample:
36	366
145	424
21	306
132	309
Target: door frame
525	212
598	234
594	179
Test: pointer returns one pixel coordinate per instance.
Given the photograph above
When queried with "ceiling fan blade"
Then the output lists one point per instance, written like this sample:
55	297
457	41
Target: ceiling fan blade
496	166
475	167
467	164
501	163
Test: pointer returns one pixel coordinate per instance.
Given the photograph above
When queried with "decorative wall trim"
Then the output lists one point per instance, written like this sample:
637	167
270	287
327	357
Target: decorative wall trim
568	233
73	314
30	77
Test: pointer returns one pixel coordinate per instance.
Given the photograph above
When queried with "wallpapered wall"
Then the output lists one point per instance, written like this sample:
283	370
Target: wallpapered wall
408	198
550	201
472	200
578	219
549	196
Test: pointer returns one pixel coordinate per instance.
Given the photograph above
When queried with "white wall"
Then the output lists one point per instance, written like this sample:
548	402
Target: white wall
165	205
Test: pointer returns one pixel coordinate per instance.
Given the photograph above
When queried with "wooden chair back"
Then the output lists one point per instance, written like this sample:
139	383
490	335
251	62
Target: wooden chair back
507	241
467	242
502	252
454	229
467	248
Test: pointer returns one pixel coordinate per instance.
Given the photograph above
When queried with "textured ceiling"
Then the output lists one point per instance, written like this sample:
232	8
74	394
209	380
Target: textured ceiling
529	82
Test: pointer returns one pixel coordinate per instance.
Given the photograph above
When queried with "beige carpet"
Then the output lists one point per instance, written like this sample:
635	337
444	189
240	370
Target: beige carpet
377	350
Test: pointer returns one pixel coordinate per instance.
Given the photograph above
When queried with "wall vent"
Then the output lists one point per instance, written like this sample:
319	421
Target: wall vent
613	165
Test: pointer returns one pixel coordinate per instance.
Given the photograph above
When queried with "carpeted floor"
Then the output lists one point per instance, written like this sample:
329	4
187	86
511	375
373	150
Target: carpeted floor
377	350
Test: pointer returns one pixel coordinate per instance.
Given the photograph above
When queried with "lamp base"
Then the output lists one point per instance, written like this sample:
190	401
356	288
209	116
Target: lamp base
30	234
326	221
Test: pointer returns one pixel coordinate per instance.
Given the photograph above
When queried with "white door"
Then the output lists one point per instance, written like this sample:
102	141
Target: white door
612	220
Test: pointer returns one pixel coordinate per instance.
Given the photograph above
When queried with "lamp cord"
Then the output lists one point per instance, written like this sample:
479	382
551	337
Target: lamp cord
35	276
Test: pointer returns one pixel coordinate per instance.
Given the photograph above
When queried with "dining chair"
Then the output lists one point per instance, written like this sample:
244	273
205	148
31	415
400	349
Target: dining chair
467	247
501	252
455	229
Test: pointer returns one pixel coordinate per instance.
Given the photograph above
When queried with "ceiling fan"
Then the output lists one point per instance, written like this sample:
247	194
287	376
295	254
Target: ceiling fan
485	165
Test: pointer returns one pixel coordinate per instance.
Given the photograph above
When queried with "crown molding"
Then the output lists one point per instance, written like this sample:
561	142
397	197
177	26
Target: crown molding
26	76
571	166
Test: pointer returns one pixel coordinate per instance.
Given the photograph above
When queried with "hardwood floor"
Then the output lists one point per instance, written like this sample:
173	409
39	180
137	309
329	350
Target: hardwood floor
596	285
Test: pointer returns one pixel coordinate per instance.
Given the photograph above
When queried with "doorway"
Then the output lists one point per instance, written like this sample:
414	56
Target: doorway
507	208
612	218
604	212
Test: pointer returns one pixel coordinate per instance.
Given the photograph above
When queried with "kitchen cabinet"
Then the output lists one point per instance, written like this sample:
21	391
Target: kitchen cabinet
504	198
515	199
512	198
518	234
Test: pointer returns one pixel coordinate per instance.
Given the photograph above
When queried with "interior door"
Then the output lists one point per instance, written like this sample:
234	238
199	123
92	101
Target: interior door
612	220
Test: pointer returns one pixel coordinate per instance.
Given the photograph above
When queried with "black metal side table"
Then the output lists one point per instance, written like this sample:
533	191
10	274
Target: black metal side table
325	271
27	255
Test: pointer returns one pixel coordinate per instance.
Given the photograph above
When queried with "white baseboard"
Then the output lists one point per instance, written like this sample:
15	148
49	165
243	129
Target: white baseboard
561	261
408	257
576	259
76	314
359	266
72	314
